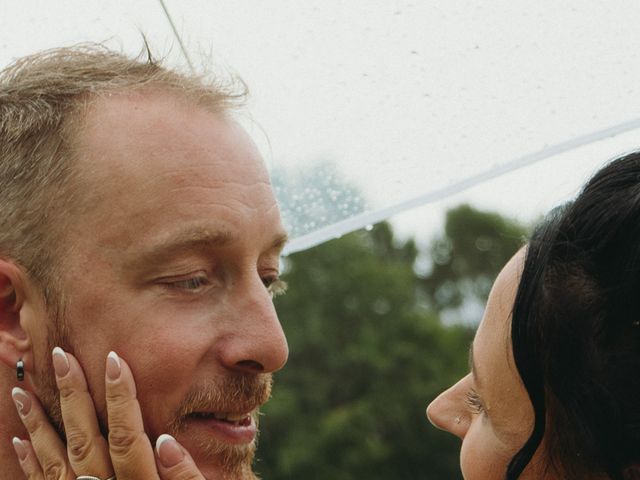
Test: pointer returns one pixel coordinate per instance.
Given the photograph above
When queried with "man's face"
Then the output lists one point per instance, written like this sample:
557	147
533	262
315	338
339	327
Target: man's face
169	265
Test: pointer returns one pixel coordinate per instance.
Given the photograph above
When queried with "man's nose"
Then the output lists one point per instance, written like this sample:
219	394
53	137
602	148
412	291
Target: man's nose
256	342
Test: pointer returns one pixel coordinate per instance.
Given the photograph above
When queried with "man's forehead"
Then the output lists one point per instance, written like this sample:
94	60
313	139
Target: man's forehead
146	158
127	115
149	98
158	129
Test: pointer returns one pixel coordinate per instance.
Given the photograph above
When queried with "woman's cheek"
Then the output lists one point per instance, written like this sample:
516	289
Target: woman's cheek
482	455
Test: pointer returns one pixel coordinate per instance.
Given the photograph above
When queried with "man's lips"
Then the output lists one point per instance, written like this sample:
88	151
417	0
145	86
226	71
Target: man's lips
240	419
233	428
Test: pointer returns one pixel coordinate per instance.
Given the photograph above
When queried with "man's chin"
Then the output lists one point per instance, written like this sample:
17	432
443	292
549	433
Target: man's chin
218	424
220	451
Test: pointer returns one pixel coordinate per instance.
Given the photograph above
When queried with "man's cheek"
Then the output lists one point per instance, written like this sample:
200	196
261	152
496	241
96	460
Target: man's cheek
163	377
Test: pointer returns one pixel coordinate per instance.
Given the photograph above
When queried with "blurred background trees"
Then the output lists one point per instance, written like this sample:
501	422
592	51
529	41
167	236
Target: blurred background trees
372	342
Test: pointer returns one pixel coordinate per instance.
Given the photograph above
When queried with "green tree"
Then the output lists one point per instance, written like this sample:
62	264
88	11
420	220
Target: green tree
364	363
469	254
368	353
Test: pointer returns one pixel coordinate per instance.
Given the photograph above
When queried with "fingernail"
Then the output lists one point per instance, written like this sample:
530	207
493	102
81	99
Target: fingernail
113	366
22	401
60	362
20	448
168	450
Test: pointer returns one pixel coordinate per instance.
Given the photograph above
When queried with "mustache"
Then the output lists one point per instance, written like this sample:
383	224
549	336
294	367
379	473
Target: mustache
237	393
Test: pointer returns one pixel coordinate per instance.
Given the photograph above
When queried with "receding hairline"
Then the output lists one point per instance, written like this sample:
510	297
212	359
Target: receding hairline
43	101
89	108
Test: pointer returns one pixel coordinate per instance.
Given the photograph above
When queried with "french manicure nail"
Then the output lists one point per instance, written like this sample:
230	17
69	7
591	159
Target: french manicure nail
60	362
168	451
113	366
22	401
20	448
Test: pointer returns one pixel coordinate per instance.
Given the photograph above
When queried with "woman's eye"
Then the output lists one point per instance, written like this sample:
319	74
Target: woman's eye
193	283
474	402
274	285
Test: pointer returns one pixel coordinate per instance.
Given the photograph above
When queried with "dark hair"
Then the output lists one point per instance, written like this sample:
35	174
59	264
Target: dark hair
576	334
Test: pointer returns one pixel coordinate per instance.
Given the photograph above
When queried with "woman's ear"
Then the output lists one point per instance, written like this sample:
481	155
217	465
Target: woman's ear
14	341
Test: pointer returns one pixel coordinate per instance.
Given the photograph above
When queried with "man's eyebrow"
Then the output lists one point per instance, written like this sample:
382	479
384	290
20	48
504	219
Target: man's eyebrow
194	240
183	242
472	366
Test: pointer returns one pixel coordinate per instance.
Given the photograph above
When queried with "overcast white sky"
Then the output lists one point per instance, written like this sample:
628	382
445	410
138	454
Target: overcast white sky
405	97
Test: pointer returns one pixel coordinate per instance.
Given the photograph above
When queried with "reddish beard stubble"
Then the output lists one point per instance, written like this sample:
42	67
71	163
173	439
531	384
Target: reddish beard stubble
232	393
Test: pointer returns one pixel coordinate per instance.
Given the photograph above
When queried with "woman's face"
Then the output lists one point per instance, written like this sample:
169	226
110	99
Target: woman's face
489	409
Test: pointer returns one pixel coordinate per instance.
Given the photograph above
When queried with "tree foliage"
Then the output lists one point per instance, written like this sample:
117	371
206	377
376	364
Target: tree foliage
467	258
367	355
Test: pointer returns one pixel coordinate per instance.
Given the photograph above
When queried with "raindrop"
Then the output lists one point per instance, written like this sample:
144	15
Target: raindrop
368	228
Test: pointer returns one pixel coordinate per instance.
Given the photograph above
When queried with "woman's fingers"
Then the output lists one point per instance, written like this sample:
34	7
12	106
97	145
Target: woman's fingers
128	452
174	462
45	456
28	460
50	452
87	448
131	452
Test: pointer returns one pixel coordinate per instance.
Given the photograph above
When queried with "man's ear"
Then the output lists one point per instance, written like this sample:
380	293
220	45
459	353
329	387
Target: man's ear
15	344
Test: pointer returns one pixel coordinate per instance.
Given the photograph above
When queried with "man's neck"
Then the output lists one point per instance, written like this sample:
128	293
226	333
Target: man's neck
10	426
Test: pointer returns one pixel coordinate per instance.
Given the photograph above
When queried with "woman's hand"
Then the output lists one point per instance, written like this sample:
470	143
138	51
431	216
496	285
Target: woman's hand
127	455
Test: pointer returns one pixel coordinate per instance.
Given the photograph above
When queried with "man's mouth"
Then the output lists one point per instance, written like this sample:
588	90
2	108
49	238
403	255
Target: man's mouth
227	427
239	419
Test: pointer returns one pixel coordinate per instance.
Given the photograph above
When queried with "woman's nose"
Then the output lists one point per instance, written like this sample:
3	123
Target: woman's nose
448	411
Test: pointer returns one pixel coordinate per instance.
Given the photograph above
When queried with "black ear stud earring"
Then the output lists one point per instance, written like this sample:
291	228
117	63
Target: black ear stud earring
20	370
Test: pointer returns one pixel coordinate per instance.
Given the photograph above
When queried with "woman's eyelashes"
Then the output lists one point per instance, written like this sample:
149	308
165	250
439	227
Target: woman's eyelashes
474	402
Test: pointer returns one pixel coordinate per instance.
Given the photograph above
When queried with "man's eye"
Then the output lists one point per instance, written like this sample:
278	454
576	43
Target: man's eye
193	283
275	286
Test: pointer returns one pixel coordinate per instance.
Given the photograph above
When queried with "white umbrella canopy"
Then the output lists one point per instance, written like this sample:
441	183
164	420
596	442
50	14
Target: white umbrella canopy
364	109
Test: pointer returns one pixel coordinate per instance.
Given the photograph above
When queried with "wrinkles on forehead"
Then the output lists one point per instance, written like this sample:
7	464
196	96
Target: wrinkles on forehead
127	131
135	146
